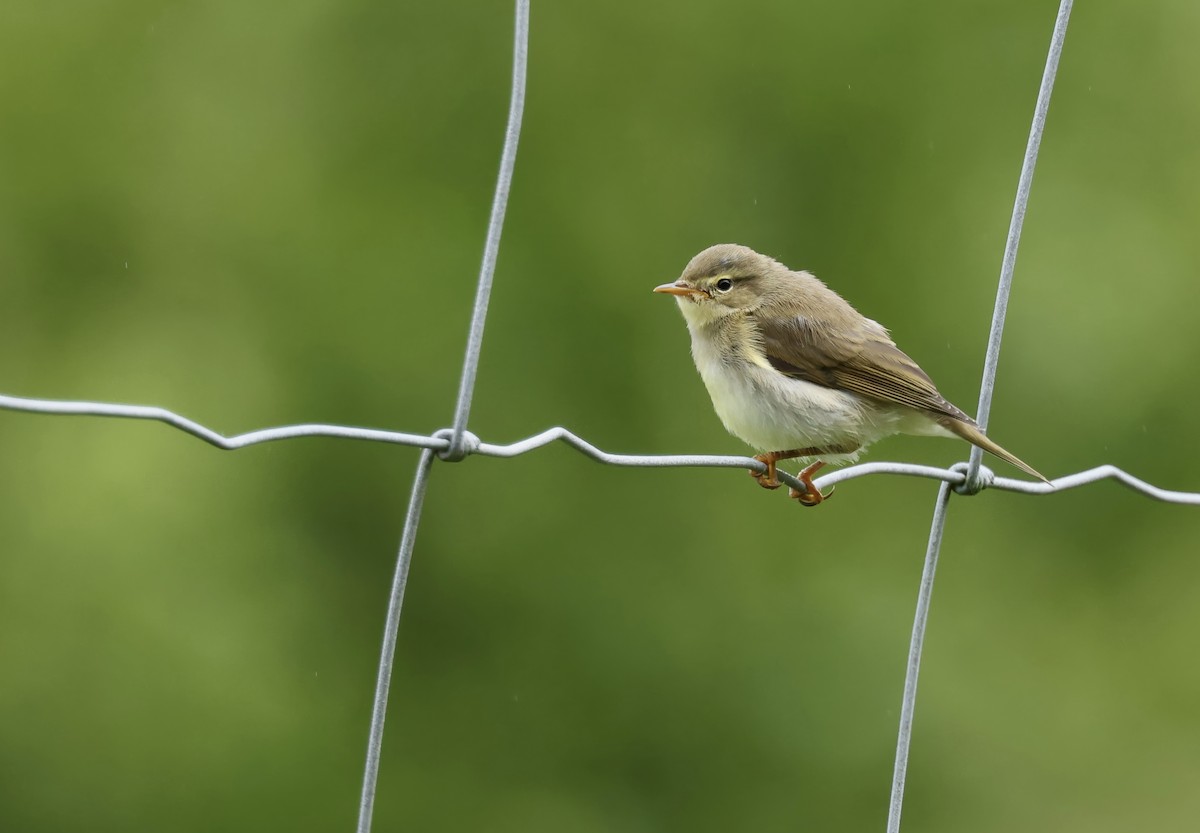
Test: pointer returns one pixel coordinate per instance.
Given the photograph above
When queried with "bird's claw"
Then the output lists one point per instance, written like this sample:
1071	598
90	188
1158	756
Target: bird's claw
812	496
767	479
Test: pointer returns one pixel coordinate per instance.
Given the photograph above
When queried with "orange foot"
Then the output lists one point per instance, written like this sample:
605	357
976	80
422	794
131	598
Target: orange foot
811	496
767	479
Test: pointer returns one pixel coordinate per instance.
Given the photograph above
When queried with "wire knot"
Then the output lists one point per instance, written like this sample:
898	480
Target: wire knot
973	487
467	444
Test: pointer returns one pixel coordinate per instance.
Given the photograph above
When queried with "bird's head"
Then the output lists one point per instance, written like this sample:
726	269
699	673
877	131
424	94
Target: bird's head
721	280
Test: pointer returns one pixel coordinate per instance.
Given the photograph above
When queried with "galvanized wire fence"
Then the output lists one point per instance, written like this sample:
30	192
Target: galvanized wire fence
456	443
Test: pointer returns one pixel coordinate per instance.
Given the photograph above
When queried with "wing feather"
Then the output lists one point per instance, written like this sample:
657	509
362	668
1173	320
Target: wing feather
863	360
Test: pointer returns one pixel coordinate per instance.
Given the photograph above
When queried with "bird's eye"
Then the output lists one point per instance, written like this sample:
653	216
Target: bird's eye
724	285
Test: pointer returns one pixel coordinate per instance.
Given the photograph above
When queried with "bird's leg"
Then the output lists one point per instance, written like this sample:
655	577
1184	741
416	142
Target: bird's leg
768	479
811	496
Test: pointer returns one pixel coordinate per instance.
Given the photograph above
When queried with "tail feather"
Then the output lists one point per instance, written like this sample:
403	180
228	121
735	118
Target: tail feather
970	432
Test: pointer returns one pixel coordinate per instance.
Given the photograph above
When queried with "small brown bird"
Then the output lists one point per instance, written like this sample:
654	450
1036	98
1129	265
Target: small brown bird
795	371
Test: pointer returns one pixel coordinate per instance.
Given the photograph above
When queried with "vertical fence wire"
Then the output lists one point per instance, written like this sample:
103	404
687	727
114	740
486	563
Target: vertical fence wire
1007	266
973	481
920	621
383	680
458	437
491	247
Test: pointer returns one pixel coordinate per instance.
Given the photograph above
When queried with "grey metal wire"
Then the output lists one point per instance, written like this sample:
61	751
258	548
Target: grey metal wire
920	621
440	442
457	439
266	435
974	480
457	442
491	247
383	679
1008	264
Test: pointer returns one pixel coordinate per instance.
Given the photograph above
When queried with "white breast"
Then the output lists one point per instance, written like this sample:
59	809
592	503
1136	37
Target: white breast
773	412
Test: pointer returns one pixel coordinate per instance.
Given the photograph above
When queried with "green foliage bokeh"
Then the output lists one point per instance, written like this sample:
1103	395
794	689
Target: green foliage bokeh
261	214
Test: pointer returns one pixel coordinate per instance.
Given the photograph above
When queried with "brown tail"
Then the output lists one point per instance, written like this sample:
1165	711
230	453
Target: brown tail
970	432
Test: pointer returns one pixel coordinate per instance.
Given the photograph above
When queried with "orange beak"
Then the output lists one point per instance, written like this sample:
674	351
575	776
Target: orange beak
678	288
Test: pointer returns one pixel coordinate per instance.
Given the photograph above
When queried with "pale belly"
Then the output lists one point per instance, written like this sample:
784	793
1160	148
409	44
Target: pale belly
773	413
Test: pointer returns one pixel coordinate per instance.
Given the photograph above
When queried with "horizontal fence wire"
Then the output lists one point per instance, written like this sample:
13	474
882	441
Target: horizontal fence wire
439	441
457	443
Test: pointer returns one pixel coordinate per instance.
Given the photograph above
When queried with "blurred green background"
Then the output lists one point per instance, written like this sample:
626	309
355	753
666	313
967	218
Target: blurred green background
259	214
